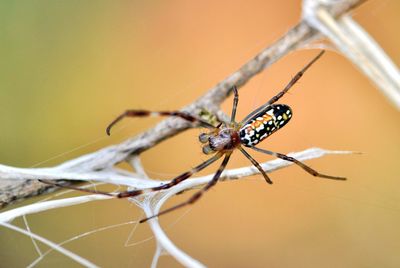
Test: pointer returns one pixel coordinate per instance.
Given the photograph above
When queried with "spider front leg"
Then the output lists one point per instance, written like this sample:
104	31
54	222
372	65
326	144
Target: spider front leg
235	103
299	163
145	113
294	80
285	90
198	194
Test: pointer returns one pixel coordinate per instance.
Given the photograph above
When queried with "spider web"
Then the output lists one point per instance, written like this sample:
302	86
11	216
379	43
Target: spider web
150	204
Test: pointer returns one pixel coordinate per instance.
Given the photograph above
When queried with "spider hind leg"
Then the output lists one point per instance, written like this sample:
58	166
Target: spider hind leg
299	163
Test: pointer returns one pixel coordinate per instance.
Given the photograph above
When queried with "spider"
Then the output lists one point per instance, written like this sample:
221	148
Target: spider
223	139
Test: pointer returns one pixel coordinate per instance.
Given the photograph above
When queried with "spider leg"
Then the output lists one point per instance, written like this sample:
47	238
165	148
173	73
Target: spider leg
198	194
132	193
300	164
54	183
144	113
174	181
285	90
294	79
256	164
235	103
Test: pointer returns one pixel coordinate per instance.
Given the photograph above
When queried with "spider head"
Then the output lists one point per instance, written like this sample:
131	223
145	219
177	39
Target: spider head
224	139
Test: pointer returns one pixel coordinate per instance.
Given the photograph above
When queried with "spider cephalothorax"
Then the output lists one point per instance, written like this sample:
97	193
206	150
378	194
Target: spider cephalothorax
223	139
255	128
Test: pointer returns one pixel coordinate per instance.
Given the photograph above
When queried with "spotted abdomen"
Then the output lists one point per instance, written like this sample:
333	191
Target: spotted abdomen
265	123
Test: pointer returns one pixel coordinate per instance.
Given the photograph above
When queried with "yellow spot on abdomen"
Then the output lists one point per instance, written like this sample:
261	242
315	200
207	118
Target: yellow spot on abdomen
256	124
266	117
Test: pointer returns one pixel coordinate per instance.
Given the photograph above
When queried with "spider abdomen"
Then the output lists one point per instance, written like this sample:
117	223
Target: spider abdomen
263	124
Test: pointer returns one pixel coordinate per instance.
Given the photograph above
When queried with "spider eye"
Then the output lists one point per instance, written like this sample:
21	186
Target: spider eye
203	138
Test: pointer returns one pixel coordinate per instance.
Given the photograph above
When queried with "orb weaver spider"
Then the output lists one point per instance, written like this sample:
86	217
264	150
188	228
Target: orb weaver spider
223	139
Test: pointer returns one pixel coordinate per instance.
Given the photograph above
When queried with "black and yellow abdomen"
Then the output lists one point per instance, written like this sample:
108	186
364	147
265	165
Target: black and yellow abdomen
263	124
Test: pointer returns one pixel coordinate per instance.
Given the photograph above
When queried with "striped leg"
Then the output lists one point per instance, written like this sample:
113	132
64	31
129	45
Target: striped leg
198	194
235	103
300	164
132	193
294	79
285	90
55	183
144	113
256	164
174	181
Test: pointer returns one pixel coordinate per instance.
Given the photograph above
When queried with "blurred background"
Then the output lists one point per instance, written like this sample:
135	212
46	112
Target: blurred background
69	67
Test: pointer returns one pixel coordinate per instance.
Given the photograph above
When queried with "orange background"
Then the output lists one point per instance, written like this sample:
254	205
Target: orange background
69	67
